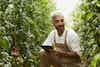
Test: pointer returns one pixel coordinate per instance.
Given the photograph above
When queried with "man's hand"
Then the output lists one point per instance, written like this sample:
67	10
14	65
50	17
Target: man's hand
71	53
65	53
60	52
51	50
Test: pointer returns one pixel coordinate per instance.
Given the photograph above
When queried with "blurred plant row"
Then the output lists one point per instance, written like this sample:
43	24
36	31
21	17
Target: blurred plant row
24	24
87	25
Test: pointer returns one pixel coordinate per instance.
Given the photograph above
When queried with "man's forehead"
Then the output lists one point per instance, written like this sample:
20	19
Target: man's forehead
58	17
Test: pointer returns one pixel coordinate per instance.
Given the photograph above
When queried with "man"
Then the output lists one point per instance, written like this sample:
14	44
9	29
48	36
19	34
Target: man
66	51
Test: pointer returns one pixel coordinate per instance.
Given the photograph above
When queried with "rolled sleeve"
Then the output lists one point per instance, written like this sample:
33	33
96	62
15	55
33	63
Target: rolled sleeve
49	39
74	41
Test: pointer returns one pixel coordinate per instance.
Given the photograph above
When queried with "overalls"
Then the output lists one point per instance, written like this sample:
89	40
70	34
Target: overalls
58	60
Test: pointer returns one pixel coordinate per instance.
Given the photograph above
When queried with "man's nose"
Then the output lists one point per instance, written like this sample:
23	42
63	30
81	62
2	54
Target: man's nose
60	23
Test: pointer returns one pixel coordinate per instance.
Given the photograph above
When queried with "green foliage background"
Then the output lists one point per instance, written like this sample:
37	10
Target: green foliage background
87	24
24	24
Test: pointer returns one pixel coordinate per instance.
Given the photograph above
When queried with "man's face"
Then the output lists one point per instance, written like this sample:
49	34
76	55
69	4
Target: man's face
58	22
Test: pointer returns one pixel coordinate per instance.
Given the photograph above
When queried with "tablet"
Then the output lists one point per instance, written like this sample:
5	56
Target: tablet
47	47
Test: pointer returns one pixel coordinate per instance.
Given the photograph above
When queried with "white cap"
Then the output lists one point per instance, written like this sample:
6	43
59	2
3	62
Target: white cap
56	13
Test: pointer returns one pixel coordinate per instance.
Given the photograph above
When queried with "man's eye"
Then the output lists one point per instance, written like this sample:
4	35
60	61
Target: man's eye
57	21
62	20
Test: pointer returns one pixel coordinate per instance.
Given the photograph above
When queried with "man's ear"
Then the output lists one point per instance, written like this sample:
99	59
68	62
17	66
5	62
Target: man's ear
53	23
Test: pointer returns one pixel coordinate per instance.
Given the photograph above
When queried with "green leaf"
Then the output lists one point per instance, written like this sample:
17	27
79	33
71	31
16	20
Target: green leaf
4	43
98	3
95	60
